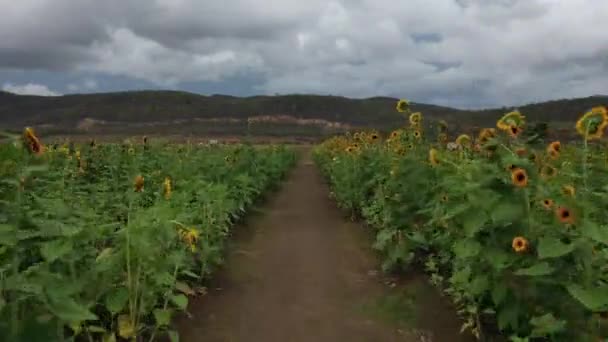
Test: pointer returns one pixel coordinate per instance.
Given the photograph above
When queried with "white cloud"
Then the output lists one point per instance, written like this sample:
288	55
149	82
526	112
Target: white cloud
29	89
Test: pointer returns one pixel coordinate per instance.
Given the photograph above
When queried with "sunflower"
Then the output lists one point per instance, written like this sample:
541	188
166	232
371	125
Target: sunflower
514	118
167	188
433	157
519	177
564	215
555	146
548	171
514	131
415	119
410	146
374	136
394	134
568	190
443	126
350	149
486	134
403	105
417	134
463	140
521	151
444	198
190	237
547	203
519	244
139	183
592	124
32	142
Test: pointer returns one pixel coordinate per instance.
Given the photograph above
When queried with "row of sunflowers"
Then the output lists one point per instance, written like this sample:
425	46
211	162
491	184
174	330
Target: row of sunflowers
106	242
513	229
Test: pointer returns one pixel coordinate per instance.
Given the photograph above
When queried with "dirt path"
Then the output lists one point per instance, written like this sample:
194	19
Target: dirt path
300	272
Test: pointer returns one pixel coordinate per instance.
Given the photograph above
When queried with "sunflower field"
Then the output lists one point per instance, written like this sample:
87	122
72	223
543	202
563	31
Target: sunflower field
512	228
106	242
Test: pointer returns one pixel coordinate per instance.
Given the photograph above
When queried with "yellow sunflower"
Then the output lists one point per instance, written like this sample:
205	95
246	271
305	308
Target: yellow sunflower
593	123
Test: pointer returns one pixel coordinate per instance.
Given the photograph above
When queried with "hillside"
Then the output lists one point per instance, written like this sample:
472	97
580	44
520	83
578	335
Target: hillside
186	113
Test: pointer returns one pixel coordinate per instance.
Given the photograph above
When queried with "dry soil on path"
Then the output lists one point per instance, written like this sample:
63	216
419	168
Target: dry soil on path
299	271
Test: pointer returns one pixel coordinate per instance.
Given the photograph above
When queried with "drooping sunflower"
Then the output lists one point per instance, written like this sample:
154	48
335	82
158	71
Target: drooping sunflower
463	140
433	157
593	123
442	138
403	105
519	244
514	118
139	183
564	215
443	126
167	188
486	134
415	119
190	237
568	190
32	142
519	177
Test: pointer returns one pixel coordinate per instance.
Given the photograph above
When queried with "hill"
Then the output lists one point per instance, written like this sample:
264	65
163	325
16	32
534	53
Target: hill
173	112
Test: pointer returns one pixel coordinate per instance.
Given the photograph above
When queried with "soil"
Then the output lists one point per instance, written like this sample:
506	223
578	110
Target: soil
299	271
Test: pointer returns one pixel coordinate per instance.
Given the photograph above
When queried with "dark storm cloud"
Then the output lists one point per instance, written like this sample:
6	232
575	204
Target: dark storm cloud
459	52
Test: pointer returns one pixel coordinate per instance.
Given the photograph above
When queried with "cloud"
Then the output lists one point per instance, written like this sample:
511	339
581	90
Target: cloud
467	53
29	89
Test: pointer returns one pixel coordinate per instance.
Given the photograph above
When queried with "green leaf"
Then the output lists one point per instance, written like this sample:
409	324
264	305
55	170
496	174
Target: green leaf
173	335
540	269
507	317
507	212
55	249
550	247
473	222
467	248
593	299
479	285
68	310
595	232
499	292
116	299
546	325
162	317
184	288
180	301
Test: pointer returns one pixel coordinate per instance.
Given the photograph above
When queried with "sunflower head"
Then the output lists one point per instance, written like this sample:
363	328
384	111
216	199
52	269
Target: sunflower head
394	134
519	177
444	198
564	215
443	126
547	203
32	142
463	140
139	183
433	157
442	138
568	190
417	134
593	123
415	119
519	244
514	118
514	131
486	134
521	152
548	171
403	105
167	188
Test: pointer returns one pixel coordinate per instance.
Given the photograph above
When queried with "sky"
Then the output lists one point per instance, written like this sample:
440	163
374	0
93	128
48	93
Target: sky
460	53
